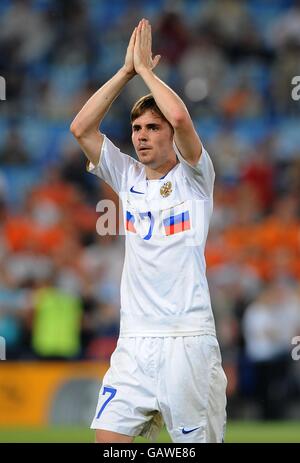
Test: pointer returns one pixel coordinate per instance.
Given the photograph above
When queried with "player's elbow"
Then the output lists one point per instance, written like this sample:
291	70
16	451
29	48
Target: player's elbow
76	130
179	120
80	130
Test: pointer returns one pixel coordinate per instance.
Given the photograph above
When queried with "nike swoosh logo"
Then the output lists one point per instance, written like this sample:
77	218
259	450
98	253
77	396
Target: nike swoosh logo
187	431
134	191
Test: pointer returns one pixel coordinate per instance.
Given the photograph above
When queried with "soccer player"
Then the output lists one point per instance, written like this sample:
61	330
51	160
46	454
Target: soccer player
167	365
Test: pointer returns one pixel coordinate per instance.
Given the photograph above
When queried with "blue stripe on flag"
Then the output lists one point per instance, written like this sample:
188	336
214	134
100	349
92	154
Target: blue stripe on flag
179	218
129	216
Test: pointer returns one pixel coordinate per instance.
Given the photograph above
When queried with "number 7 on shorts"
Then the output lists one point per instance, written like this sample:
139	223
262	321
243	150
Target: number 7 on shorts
112	391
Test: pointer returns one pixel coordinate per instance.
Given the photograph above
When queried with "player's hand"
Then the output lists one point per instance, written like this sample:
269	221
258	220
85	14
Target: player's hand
142	55
128	64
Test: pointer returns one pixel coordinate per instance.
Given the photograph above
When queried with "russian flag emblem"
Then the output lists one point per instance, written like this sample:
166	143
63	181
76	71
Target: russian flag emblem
177	223
130	222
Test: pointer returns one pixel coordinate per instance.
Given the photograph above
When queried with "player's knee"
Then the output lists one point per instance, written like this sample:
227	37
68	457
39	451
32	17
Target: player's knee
109	437
99	438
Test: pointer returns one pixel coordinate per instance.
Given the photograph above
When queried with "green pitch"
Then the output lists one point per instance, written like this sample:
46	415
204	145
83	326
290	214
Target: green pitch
237	431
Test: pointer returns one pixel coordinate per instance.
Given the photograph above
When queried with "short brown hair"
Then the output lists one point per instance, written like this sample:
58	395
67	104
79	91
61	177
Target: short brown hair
144	104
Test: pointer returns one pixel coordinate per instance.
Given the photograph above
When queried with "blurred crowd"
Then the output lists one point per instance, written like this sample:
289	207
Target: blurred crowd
232	61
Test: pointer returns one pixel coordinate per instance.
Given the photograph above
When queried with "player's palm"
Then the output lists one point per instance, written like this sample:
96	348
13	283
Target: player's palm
142	55
128	64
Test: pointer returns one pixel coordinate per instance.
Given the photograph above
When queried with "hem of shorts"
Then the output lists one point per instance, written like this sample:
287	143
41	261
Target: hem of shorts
164	334
117	429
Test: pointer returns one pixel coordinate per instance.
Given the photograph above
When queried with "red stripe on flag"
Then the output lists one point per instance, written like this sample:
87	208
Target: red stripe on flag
130	226
178	227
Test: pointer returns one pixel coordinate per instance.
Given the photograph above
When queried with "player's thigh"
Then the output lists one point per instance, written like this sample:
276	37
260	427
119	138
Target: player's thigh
127	398
108	437
192	367
193	394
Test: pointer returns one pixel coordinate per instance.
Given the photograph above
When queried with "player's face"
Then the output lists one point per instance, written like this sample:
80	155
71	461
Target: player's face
152	138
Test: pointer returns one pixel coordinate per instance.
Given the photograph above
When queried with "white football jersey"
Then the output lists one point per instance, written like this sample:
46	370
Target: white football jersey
164	290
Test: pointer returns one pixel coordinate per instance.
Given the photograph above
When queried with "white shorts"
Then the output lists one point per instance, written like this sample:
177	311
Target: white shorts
178	381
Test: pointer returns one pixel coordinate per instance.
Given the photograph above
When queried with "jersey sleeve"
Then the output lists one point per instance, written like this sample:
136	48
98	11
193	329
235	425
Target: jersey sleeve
113	166
200	177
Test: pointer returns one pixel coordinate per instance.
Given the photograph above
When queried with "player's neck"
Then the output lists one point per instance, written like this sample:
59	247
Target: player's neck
160	172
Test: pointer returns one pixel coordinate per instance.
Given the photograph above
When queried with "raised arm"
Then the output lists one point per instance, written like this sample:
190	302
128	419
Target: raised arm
85	126
173	108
